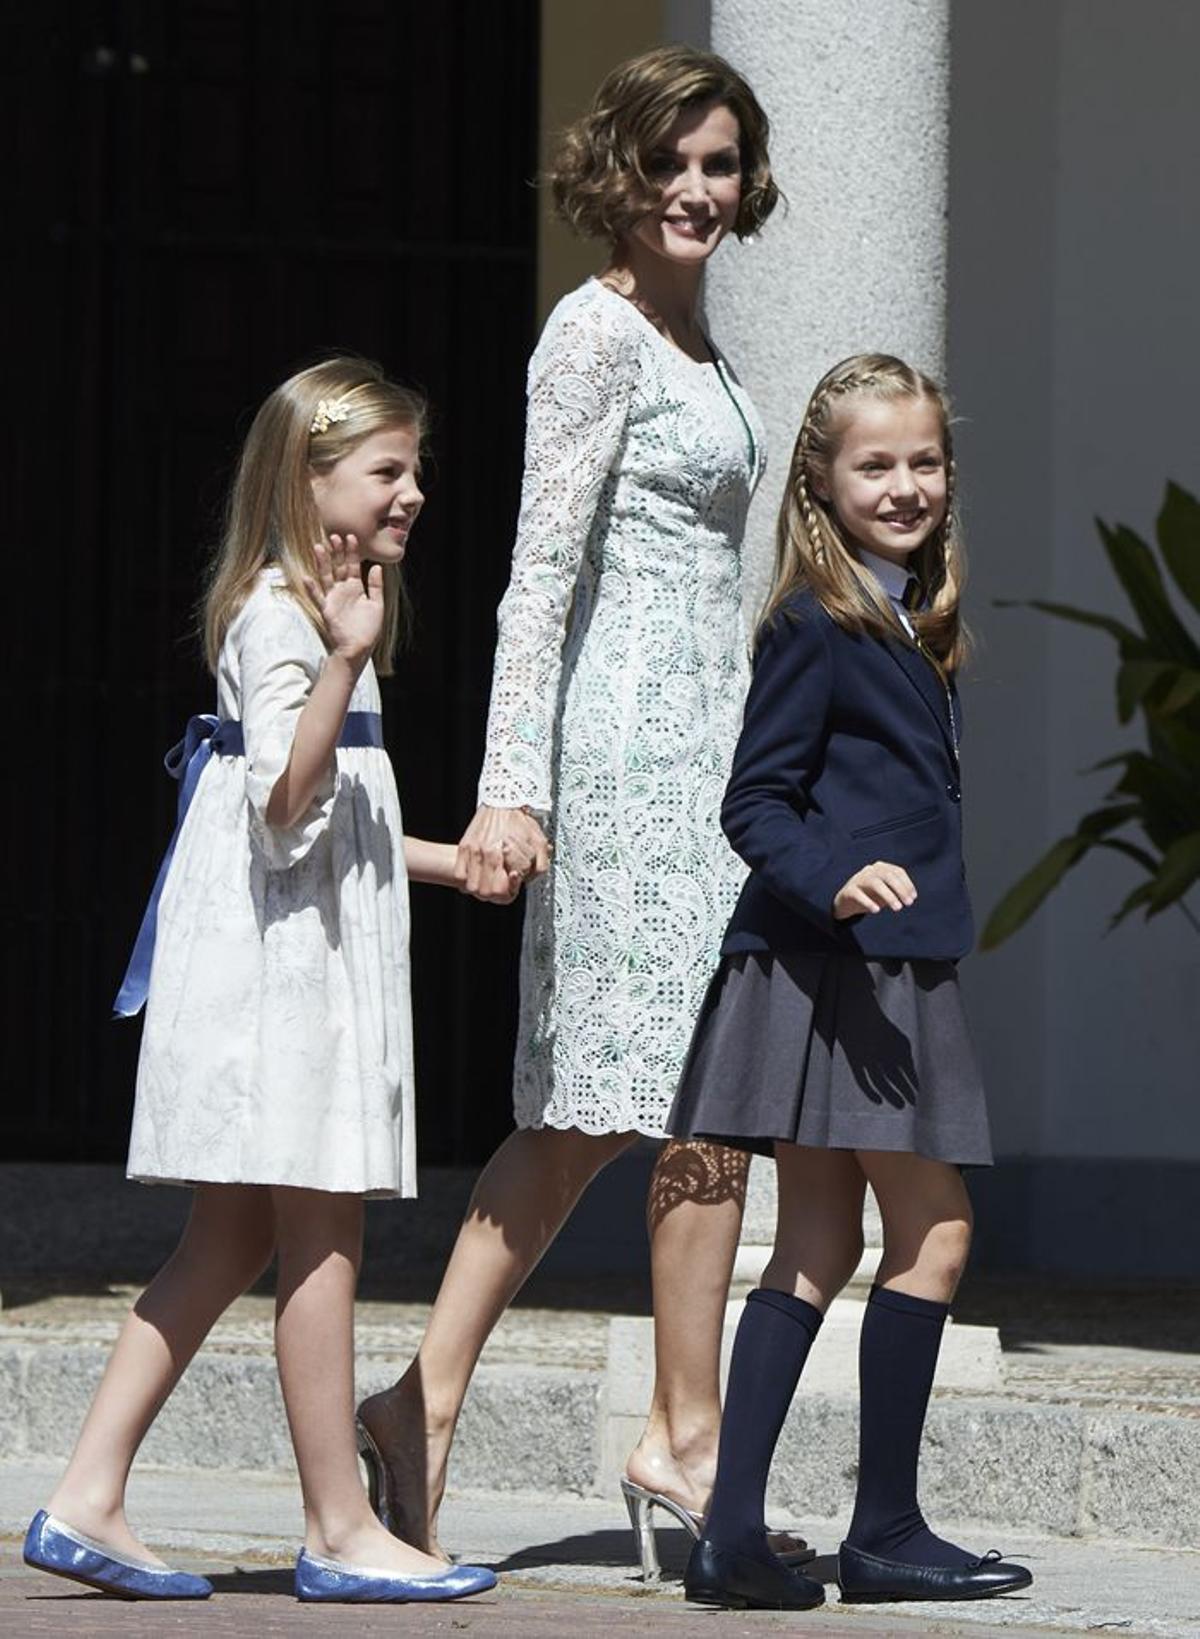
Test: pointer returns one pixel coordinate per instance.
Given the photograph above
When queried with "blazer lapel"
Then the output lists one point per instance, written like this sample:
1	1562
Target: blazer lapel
927	684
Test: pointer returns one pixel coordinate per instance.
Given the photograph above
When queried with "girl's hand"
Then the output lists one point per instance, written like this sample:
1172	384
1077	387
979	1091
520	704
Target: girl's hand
875	888
498	845
353	613
515	875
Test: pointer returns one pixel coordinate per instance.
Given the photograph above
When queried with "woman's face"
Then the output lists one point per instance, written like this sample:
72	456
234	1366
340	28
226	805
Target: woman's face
698	168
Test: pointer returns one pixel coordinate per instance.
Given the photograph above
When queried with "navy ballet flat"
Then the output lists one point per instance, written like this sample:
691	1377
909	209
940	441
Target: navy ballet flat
737	1581
330	1581
864	1579
51	1545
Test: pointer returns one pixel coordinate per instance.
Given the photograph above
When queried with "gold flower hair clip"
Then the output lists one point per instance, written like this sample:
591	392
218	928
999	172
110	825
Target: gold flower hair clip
329	410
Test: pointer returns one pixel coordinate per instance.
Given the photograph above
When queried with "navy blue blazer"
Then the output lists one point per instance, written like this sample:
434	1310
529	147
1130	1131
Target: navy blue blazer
846	756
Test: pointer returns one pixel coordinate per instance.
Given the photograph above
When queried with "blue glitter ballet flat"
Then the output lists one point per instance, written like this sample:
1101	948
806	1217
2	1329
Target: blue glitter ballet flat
52	1546
335	1583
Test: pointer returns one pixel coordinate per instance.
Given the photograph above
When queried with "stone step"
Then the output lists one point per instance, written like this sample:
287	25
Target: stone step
758	1222
1101	1465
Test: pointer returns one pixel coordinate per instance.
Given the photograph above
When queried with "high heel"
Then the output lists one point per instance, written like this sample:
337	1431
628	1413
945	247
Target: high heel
792	1550
378	1485
639	1502
385	1504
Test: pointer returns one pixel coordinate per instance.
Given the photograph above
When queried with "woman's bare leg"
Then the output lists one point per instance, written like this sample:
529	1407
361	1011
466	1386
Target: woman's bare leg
817	1245
225	1247
697	1198
320	1249
694	1216
521	1200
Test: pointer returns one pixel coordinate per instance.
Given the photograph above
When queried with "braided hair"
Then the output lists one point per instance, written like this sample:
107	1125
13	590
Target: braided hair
812	547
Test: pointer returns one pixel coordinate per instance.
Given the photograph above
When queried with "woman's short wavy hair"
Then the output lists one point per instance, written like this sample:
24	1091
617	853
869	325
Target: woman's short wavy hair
598	179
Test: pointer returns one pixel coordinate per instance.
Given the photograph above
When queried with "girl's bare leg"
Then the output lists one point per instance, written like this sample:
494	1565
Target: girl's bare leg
818	1235
694	1216
520	1202
320	1248
927	1223
224	1249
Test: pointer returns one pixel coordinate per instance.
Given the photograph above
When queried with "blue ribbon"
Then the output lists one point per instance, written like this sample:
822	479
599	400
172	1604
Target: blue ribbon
185	762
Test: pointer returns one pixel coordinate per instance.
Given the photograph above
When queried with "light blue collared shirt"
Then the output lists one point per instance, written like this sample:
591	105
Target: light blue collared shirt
894	581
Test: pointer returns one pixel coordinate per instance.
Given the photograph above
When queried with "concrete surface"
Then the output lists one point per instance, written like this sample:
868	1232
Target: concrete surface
1075	1440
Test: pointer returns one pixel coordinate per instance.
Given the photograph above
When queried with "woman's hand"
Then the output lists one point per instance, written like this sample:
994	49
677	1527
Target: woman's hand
353	613
877	887
500	849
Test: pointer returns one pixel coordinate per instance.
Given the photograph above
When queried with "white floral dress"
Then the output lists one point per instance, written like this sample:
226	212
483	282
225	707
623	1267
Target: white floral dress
277	1047
620	675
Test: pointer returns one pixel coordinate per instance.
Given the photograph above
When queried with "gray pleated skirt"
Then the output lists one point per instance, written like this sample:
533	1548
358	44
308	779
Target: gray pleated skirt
834	1052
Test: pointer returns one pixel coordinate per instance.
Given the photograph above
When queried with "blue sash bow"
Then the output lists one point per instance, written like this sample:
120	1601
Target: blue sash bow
186	762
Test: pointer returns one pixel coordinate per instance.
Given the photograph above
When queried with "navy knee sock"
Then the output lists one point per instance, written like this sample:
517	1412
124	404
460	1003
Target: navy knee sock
773	1338
898	1352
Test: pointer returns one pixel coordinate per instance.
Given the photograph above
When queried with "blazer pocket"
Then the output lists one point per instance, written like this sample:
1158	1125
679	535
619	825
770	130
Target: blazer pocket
917	817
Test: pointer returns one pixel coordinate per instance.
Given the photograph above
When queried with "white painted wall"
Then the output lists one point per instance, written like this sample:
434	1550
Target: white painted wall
1074	355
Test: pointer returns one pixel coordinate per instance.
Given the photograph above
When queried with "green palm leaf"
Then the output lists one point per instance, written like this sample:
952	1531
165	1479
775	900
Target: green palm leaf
1158	676
1178	531
1142	579
1024	897
1180	868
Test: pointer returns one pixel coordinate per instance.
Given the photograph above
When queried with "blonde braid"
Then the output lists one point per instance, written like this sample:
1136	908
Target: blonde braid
937	559
816	420
808	512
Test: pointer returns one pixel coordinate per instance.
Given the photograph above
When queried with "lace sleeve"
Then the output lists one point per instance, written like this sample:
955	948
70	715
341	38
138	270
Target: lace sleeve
580	380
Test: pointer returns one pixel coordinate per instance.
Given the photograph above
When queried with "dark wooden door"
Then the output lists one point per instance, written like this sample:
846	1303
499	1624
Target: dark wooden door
211	193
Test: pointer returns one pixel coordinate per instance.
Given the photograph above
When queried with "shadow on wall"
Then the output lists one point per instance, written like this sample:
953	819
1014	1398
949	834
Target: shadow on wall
1096	1220
82	1229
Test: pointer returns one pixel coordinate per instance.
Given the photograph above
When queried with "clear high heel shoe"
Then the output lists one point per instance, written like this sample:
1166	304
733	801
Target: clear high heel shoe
378	1485
792	1550
384	1505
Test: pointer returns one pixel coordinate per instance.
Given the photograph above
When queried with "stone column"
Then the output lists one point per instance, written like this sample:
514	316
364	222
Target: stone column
854	260
858	99
855	257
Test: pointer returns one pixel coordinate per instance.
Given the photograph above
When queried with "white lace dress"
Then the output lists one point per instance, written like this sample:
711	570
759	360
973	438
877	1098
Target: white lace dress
620	676
277	1047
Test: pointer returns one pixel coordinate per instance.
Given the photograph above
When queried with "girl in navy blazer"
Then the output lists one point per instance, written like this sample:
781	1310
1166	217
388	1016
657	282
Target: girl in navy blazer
833	1031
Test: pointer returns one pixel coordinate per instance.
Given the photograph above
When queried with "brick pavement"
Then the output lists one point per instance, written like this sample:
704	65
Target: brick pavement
258	1604
566	1568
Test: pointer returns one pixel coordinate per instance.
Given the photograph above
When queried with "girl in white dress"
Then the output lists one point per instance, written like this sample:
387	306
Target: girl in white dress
276	1063
620	674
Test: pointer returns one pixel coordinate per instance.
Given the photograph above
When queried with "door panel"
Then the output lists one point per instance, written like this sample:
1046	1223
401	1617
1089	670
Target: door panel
214	194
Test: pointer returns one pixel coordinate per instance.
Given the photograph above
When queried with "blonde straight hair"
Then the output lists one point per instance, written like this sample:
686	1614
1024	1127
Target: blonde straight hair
811	546
272	518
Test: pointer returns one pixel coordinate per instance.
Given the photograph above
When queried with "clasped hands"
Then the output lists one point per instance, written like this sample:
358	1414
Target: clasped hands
501	850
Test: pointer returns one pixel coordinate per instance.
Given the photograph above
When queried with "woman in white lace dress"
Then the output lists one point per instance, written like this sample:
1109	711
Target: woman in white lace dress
620	675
